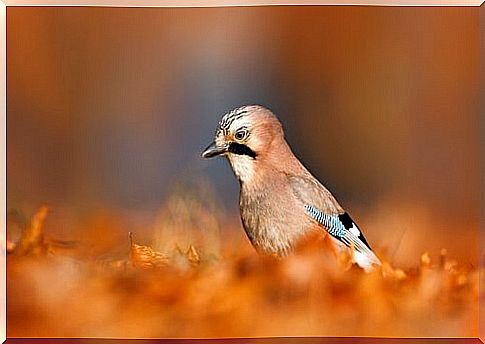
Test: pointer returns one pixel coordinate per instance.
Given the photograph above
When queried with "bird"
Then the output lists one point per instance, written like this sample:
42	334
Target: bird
280	201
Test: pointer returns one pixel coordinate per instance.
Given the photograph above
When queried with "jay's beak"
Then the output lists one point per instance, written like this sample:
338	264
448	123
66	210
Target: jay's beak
214	150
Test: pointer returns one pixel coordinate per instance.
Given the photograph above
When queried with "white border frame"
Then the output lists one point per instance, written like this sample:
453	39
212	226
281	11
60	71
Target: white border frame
238	3
3	173
141	3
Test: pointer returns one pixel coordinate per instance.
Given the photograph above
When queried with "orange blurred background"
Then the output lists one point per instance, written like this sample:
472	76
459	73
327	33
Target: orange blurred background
109	108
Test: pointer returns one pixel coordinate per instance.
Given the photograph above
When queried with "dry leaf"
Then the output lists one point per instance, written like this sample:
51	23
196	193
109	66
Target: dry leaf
399	274
193	255
389	271
32	238
425	259
10	246
145	257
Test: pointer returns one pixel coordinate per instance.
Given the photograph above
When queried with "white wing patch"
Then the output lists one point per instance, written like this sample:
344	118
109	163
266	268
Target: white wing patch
355	231
342	228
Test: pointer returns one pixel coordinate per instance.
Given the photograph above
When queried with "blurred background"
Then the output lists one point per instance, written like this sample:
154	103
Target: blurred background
108	110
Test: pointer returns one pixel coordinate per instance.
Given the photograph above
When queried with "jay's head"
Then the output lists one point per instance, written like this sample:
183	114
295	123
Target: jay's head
247	135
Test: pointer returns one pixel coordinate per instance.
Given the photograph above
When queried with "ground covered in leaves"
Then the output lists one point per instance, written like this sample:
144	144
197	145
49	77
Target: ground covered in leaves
170	287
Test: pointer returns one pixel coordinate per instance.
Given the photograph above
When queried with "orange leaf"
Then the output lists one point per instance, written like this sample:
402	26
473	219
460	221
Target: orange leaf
193	255
32	238
10	246
145	257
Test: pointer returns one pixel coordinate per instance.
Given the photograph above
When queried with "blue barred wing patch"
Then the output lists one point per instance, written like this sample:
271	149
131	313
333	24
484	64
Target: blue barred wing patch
331	222
345	230
341	227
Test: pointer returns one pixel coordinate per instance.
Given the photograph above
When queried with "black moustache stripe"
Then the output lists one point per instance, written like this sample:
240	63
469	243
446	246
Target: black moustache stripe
240	149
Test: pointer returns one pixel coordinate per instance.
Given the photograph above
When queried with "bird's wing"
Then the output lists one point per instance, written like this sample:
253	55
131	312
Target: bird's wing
309	191
345	230
321	206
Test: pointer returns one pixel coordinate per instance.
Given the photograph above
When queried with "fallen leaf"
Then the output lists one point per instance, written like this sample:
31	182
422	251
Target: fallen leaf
145	257
193	255
32	238
425	259
10	246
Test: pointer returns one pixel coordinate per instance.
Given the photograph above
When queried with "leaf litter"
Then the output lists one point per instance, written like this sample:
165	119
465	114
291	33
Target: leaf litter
187	292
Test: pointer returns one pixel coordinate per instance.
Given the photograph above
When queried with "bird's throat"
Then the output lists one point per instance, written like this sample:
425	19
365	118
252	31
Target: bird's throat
243	166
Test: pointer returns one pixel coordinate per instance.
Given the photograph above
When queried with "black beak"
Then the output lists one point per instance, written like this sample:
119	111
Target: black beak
214	150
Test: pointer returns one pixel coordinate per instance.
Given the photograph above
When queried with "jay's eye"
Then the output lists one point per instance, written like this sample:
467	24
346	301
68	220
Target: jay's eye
241	134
